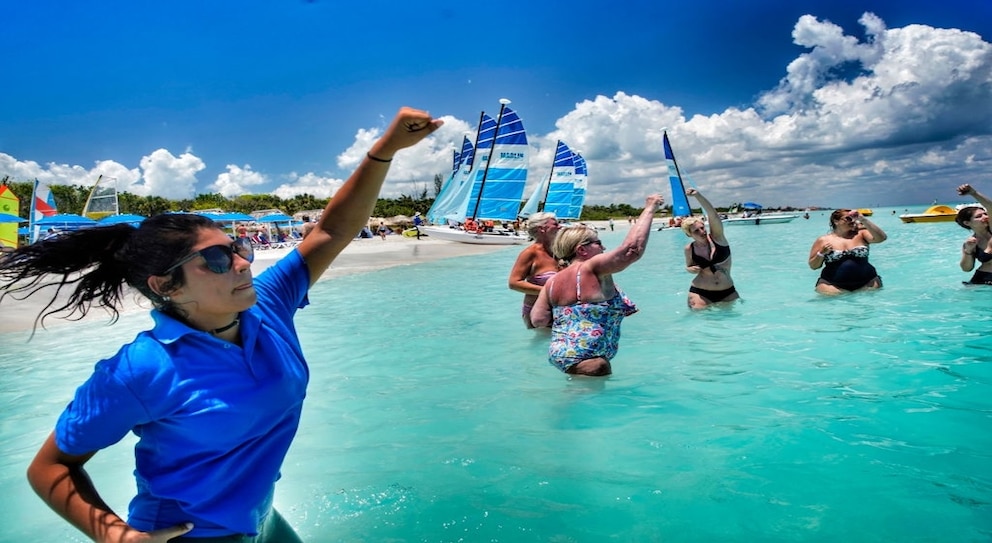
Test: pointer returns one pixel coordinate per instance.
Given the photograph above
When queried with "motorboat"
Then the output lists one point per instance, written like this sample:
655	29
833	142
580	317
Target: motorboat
761	218
937	213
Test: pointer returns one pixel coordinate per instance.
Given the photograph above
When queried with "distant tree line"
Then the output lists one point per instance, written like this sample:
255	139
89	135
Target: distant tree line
72	198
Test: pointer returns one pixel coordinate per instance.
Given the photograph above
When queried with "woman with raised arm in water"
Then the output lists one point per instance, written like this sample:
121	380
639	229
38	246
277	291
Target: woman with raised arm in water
708	257
215	389
581	303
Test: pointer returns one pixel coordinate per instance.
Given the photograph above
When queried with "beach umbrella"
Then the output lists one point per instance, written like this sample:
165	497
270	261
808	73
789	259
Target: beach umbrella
751	205
65	220
134	220
7	217
230	216
274	218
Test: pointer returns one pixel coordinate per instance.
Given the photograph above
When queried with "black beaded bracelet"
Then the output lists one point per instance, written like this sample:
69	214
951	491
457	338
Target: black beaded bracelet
377	159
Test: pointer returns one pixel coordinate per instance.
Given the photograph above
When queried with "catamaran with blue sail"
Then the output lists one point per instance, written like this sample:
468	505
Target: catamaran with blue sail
488	187
563	191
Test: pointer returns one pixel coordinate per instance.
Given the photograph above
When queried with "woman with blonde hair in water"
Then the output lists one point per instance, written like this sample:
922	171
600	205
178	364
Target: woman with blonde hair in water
535	264
708	257
581	302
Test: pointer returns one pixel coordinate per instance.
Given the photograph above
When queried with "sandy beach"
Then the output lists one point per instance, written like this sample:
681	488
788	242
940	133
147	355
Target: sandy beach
362	255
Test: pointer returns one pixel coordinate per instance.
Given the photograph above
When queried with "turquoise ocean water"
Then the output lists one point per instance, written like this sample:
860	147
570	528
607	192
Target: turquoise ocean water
433	415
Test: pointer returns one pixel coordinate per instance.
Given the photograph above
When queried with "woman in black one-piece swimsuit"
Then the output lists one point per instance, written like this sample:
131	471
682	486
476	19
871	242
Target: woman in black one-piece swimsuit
843	254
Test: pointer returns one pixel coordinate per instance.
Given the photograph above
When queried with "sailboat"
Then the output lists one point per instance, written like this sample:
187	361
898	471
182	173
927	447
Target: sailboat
680	203
451	189
493	188
102	200
42	205
563	191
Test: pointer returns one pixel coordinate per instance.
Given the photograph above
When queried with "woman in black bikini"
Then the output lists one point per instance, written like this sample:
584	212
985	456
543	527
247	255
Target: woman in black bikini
843	253
978	247
708	256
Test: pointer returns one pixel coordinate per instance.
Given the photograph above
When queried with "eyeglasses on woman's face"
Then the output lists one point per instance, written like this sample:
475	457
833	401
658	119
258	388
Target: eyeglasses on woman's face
219	258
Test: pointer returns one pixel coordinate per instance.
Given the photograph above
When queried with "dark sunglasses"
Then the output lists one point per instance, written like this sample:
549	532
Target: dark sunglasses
592	242
219	258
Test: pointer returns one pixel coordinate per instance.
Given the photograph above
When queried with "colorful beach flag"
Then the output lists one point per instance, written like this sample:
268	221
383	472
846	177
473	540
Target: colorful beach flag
9	203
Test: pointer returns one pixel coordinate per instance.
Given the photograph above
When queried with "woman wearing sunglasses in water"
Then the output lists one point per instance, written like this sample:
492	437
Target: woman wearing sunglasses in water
214	390
843	253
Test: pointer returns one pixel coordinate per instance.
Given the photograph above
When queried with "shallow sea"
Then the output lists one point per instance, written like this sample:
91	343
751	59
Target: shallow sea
434	416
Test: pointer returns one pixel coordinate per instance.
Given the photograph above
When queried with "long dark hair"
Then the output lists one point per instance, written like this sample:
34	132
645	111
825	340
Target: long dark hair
97	262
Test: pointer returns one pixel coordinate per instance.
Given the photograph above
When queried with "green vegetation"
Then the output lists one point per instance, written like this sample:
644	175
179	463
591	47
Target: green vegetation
71	199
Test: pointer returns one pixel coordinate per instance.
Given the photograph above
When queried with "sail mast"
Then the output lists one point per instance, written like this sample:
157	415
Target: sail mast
544	199
482	184
669	154
89	199
478	130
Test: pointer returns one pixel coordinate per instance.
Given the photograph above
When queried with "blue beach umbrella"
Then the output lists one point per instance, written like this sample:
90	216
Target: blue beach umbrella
7	217
274	218
65	220
231	216
133	220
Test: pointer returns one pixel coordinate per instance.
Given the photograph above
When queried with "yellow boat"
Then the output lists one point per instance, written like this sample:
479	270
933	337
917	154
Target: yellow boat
938	213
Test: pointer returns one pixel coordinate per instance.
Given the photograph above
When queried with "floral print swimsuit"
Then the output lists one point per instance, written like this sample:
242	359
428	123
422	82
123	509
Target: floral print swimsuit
587	330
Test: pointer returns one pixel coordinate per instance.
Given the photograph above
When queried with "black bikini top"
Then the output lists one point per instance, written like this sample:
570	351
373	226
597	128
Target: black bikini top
982	256
720	254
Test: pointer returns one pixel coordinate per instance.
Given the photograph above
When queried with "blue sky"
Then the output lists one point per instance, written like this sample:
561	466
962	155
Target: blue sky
782	102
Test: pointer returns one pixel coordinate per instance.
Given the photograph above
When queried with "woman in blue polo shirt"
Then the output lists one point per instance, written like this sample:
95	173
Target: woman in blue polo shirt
214	390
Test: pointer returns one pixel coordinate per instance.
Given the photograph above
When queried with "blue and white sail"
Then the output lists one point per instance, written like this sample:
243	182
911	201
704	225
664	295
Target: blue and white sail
561	187
579	186
454	208
450	190
499	186
680	203
536	198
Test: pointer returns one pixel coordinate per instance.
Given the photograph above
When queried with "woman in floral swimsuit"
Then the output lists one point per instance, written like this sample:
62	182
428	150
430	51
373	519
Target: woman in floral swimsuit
585	321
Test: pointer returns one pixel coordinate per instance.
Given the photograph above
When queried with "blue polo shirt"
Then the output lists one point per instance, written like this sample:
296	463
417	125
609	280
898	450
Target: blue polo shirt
214	420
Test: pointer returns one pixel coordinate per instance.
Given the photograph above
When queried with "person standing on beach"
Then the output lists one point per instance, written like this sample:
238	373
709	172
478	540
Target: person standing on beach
535	265
843	253
708	257
418	221
978	247
581	303
214	390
